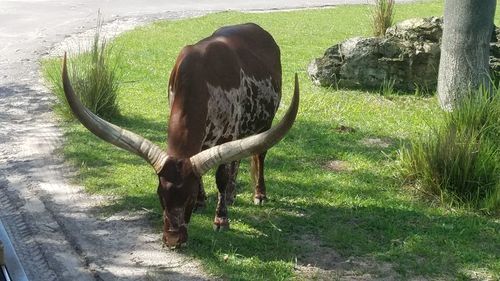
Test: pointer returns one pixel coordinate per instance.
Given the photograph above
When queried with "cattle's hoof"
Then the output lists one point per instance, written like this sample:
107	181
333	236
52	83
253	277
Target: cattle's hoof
259	200
221	224
176	247
220	228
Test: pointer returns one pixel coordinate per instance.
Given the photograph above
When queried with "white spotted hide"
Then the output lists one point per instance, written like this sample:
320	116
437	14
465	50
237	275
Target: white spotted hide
240	112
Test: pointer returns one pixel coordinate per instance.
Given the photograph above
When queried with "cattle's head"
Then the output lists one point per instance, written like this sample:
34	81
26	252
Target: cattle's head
179	179
177	190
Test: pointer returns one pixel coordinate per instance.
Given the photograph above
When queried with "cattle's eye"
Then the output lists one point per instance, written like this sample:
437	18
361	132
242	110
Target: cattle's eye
169	186
172	186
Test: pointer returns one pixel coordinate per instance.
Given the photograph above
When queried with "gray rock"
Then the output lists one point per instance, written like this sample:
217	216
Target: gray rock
407	57
418	29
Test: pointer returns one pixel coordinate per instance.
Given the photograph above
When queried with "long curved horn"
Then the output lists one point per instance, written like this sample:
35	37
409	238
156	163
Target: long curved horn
234	150
113	134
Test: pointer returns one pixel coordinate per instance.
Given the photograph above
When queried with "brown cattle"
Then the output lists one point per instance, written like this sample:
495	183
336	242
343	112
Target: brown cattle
224	92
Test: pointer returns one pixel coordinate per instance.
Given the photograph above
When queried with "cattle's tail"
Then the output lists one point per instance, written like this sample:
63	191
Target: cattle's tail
235	150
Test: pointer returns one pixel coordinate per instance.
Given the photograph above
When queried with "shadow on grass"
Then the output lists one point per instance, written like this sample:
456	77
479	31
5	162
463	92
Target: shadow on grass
98	159
314	211
416	243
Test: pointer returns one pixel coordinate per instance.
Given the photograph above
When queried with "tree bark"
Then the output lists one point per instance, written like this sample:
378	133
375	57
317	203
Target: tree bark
465	48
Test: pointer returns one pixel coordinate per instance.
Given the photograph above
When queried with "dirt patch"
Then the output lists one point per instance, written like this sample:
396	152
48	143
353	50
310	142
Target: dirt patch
320	262
354	269
376	142
315	254
337	166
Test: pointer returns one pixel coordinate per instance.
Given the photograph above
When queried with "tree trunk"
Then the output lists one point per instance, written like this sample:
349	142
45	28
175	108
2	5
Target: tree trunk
465	48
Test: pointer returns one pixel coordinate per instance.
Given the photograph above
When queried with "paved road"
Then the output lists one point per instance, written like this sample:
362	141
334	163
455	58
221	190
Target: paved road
29	28
50	221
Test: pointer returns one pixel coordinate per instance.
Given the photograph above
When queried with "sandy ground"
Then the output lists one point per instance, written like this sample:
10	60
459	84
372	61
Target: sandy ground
54	225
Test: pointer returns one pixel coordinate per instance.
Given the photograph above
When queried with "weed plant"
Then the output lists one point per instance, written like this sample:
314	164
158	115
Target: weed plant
423	91
459	160
382	16
94	78
387	87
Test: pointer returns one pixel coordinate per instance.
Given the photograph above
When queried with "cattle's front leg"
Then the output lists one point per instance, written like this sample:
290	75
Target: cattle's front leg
257	171
221	221
201	198
232	173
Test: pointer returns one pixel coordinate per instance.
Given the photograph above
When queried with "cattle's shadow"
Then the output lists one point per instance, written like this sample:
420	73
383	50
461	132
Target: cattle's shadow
330	236
96	157
293	226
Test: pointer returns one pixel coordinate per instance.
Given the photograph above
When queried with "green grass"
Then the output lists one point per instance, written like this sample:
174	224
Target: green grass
314	214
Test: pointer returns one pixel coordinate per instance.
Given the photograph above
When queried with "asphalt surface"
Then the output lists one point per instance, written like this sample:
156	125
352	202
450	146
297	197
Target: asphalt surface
50	222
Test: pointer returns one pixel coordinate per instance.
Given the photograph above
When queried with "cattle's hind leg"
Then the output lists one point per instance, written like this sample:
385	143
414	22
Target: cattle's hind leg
201	198
257	171
225	185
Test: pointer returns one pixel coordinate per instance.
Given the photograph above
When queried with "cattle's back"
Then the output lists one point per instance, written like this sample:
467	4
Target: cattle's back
240	69
248	107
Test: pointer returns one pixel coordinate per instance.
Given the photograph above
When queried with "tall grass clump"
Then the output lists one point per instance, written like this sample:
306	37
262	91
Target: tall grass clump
459	160
387	87
382	16
93	75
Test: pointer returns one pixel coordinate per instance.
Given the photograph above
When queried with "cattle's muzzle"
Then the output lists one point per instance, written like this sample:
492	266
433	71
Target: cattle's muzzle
175	238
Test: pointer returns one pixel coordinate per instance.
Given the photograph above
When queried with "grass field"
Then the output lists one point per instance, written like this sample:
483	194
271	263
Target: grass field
336	201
